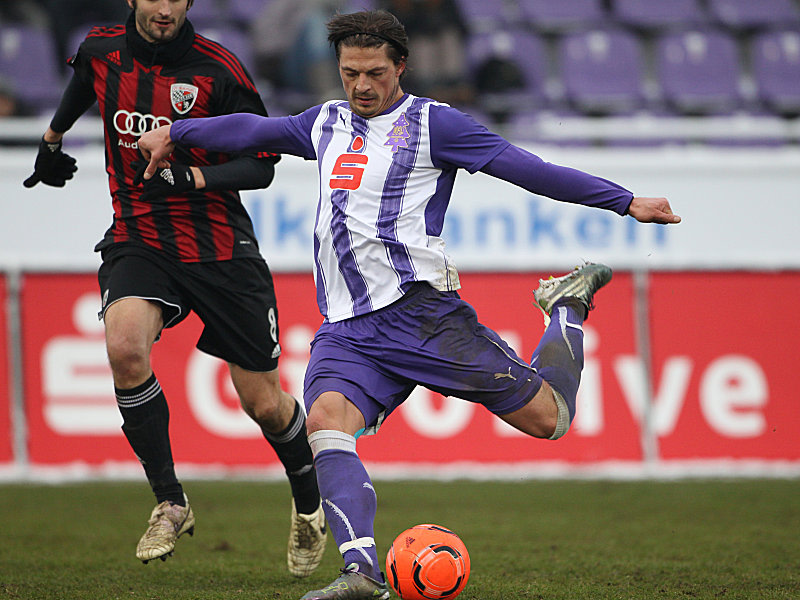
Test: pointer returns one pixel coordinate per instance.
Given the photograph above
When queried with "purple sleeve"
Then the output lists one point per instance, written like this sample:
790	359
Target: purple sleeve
528	171
458	141
246	132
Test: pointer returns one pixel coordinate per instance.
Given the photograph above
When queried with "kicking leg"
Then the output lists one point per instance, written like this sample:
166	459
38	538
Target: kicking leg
558	358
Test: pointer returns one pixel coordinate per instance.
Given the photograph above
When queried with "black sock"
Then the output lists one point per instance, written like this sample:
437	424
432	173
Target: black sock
291	446
145	417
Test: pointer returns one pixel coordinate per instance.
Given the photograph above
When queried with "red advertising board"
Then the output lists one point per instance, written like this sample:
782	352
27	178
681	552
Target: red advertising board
725	346
6	449
720	390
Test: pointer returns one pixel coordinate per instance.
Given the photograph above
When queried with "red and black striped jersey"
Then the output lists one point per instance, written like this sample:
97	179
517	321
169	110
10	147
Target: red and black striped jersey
139	86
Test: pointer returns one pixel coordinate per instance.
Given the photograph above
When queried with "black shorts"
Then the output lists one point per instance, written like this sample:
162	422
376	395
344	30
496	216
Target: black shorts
235	300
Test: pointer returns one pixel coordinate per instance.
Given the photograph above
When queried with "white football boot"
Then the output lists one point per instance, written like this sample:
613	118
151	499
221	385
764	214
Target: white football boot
307	537
167	523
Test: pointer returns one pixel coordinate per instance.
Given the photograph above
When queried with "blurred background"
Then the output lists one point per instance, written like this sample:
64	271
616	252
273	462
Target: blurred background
572	71
690	353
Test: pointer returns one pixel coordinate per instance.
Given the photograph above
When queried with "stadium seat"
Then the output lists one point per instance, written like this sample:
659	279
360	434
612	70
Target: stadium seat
526	49
648	14
521	48
28	60
742	14
483	15
775	60
699	71
602	70
208	13
547	15
244	12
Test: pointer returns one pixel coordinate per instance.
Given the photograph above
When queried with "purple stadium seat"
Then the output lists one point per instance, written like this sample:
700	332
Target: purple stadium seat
208	13
522	48
483	15
562	14
28	60
650	14
775	57
754	13
699	71
601	70
244	12
526	49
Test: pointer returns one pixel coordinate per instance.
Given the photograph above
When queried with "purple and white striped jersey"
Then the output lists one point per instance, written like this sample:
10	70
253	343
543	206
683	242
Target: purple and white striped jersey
385	183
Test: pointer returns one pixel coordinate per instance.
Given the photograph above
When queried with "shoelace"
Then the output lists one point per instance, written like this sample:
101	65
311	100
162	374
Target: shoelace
162	518
304	535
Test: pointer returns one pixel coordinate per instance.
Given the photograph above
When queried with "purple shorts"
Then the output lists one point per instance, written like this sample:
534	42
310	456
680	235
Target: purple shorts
428	338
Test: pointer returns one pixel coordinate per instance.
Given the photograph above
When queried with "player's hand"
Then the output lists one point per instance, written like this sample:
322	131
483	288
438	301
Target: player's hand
168	181
652	210
52	166
156	146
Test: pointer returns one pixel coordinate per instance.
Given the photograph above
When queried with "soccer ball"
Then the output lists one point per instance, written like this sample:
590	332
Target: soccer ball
427	562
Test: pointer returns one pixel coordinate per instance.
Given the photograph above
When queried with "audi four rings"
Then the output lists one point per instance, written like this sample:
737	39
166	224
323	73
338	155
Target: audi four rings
136	123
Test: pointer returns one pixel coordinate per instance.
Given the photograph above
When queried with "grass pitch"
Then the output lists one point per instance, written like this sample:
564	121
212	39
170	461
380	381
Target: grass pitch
527	540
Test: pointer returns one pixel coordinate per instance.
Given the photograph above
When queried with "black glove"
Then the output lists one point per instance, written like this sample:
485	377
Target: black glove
52	167
175	179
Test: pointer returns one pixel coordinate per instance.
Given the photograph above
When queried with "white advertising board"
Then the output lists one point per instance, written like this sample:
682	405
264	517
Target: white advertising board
741	209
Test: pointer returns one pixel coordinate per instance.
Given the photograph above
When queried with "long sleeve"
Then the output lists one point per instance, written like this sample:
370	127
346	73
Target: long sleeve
530	172
243	132
243	173
78	97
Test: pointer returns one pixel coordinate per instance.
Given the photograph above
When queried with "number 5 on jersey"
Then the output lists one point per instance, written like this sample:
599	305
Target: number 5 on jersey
348	171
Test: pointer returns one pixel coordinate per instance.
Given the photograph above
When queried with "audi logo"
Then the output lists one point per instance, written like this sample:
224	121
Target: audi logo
135	123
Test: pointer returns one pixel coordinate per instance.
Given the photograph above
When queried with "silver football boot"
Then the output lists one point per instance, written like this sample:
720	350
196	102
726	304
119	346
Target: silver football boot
581	283
351	585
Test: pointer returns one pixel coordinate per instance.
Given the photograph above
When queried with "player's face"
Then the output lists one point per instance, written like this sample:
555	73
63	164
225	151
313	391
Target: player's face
159	20
371	80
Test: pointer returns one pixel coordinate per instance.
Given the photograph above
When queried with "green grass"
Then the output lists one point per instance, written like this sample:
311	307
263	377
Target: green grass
528	540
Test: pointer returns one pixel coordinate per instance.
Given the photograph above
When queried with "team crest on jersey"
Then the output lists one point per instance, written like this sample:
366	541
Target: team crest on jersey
398	136
183	96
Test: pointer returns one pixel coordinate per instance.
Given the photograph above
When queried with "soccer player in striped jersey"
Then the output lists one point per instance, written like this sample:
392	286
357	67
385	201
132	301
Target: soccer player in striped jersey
387	161
182	242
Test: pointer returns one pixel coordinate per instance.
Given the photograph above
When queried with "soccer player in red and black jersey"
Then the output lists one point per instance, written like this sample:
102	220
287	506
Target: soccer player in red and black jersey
179	242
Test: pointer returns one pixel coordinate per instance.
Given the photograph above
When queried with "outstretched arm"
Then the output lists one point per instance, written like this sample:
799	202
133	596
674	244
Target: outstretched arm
239	132
528	171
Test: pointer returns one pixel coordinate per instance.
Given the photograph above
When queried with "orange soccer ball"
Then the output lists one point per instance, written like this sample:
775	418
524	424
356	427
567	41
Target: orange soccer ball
427	562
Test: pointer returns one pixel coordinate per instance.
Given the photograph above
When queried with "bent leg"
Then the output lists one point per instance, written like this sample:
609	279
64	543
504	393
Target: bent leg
558	359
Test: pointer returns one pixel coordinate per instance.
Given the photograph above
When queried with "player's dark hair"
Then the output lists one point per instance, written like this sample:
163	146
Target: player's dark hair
369	29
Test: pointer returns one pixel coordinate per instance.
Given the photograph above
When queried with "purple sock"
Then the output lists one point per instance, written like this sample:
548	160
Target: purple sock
559	356
350	504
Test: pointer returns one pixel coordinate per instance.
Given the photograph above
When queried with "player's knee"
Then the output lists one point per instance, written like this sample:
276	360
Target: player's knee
127	358
539	418
264	410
